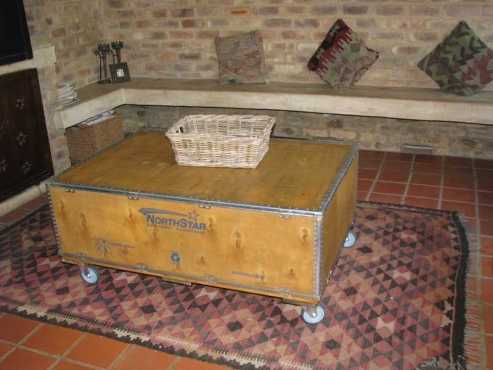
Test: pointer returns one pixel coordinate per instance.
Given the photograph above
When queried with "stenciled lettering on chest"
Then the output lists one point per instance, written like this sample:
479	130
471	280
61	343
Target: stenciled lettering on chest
173	220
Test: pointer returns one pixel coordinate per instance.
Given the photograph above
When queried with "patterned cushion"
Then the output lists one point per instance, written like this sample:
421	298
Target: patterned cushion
241	58
342	58
461	64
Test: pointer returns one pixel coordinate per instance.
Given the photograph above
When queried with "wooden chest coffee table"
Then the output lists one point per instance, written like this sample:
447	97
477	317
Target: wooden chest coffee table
274	230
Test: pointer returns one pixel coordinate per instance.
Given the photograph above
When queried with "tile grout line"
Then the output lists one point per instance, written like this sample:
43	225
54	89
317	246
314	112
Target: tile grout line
408	182
442	183
377	176
120	358
67	351
482	340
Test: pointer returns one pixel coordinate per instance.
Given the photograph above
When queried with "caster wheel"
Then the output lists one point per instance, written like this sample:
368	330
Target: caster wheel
313	314
350	240
89	274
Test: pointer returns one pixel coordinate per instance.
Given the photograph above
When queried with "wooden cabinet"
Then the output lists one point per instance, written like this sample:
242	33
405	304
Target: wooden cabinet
25	157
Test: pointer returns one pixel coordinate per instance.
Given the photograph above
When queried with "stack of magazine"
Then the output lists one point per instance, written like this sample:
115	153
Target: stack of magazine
67	95
98	118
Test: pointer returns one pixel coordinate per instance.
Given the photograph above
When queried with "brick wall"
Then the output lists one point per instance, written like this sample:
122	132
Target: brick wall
445	138
74	28
175	38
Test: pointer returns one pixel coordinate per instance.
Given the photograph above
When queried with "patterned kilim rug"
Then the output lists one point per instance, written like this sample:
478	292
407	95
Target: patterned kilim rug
395	300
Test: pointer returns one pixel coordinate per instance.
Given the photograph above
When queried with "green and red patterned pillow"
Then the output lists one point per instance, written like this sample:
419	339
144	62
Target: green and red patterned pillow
342	58
461	64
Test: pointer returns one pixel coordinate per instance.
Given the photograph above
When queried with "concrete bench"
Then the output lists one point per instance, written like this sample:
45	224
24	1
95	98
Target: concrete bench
405	103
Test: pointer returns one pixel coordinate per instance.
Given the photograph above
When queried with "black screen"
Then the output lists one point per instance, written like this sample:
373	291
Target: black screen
15	44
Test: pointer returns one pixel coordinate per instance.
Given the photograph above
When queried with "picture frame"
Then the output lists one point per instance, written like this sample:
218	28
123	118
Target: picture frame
119	72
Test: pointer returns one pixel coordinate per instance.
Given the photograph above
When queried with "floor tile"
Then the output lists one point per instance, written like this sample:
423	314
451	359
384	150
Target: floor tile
396	176
4	348
389	188
426	179
396	156
485	197
487	266
487	316
361	195
486	228
96	350
473	286
459	181
385	198
53	339
457	162
466	209
364	185
14	328
485	181
483	163
371	154
191	364
369	165
459	195
145	359
426	158
424	167
427	191
26	360
489	351
421	202
486	212
65	365
487	245
367	173
487	290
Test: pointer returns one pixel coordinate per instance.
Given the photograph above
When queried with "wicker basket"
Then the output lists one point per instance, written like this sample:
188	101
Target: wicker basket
239	141
85	141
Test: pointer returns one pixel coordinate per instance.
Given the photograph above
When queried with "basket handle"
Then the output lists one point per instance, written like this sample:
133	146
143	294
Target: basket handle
180	129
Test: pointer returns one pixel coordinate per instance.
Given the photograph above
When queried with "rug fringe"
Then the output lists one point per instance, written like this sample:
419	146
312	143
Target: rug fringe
473	350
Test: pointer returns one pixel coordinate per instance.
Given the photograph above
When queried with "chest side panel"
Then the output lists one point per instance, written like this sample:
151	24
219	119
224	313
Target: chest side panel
239	248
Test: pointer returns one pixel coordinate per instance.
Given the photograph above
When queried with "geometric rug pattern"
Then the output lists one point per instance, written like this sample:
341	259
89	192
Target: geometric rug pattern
395	300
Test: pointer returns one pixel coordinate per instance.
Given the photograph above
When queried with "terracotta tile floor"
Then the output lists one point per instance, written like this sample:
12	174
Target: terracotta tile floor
458	184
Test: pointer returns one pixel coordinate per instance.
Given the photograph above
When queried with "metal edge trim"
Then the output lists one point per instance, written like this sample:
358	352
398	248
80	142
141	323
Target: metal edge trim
341	173
216	203
205	280
317	254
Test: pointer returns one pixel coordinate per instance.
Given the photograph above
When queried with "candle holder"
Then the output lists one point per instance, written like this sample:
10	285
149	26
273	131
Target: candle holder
102	51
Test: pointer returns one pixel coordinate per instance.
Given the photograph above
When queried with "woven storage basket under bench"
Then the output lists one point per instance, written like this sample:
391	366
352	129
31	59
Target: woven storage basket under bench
274	230
84	141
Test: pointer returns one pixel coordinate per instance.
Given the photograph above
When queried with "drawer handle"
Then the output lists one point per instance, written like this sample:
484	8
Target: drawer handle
19	103
175	257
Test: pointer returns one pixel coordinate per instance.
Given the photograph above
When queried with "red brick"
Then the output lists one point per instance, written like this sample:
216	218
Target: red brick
183	13
277	23
268	10
355	9
389	10
160	13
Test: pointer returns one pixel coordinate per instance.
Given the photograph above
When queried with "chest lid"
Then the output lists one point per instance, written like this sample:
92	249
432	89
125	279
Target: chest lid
295	174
